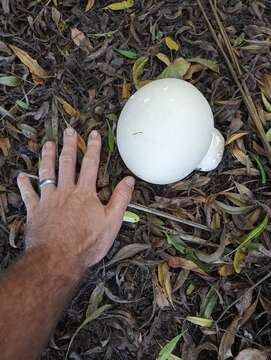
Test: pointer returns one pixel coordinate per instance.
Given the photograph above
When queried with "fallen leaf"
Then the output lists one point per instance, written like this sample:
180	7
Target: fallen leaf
200	321
126	90
164	58
235	137
89	5
268	135
226	270
175	70
70	110
127	252
129	54
95	299
11	81
266	103
227	340
164	280
251	354
215	256
171	43
36	70
122	5
22	104
194	68
5	146
56	16
131	217
81	144
138	69
179	262
267	86
167	350
261	168
160	297
212	65
209	303
80	39
90	318
238	260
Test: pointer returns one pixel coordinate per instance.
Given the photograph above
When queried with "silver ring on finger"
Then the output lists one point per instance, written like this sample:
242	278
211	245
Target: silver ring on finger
45	182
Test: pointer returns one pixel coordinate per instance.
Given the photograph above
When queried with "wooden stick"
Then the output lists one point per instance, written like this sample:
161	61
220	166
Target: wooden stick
240	84
168	216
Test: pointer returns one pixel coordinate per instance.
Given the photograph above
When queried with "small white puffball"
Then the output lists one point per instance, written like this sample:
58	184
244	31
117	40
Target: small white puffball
165	131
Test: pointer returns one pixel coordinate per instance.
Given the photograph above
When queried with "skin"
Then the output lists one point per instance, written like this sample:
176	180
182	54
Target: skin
68	230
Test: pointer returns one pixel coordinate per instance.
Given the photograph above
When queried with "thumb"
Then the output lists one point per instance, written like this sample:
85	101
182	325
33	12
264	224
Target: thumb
121	197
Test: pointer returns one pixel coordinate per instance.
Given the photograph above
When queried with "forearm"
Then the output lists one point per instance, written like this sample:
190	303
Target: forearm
33	294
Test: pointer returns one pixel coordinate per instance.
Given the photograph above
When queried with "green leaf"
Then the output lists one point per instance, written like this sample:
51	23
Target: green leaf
268	135
253	234
266	103
212	65
110	139
200	321
167	350
138	69
122	5
131	217
21	104
11	81
261	168
171	43
174	243
90	318
239	257
129	54
210	303
176	70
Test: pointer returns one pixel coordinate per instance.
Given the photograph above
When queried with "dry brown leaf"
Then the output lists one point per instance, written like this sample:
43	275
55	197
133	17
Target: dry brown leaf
267	86
159	295
179	262
126	87
164	280
80	39
235	137
36	70
5	146
81	144
89	5
70	110
194	68
228	339
241	156
251	354
128	251
164	58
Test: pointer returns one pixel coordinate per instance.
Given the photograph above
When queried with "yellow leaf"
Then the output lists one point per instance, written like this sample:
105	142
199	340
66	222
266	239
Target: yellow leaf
200	321
89	5
164	280
172	44
122	5
239	257
70	110
164	58
226	270
81	144
36	70
125	89
138	69
5	146
235	137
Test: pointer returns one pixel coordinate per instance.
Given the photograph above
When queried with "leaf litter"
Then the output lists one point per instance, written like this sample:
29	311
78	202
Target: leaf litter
192	258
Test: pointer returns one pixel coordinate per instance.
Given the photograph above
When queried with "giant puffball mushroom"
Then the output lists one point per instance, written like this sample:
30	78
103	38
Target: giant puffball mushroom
166	130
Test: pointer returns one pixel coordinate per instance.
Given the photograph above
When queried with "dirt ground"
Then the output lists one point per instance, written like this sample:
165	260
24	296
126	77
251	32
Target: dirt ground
79	65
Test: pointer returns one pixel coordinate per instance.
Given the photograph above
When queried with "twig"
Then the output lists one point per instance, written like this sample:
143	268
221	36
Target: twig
241	85
168	216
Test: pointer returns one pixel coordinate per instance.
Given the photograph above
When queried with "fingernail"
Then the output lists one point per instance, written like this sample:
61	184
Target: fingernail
70	131
94	134
130	181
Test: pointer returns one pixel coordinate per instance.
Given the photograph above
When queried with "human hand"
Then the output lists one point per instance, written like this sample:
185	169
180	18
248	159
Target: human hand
69	218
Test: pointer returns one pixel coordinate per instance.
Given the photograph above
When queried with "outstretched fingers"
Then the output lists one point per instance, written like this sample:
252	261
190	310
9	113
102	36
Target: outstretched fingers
121	198
29	195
